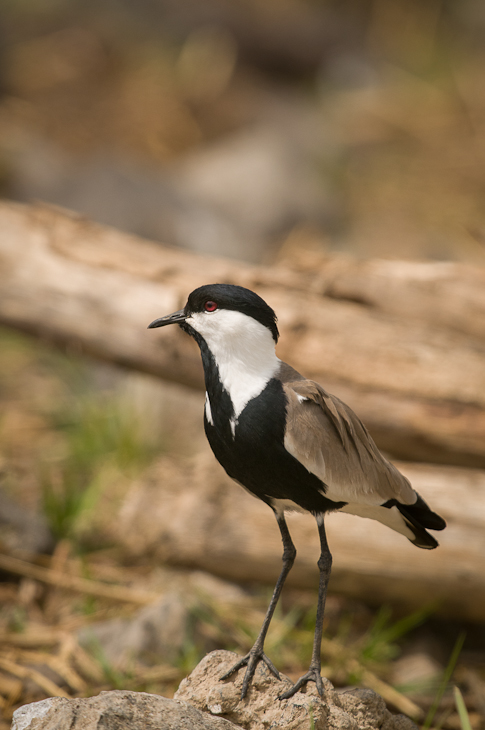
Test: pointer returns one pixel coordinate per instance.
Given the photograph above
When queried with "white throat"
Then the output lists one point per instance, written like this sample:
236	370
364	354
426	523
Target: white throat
243	350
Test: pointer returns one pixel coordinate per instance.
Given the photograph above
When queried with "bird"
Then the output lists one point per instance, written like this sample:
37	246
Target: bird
290	443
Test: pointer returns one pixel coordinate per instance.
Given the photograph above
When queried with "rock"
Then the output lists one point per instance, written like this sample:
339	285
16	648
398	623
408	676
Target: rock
357	709
22	530
23	717
261	708
156	633
417	669
159	632
203	702
366	708
116	710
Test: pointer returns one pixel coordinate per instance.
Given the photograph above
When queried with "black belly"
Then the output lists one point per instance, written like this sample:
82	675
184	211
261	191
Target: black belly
256	456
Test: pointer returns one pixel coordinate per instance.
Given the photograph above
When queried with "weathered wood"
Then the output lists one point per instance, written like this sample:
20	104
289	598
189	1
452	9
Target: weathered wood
402	343
192	514
442	293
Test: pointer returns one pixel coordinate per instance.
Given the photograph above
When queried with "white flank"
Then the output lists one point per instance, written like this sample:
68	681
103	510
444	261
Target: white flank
243	350
208	412
390	517
286	505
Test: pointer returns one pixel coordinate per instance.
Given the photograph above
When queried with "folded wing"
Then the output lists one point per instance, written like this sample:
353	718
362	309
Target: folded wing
327	437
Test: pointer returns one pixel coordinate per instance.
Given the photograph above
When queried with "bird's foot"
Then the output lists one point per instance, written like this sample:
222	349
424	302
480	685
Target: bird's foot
251	661
313	675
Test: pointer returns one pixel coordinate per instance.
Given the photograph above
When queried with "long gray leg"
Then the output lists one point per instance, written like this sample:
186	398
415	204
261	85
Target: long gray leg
256	654
325	566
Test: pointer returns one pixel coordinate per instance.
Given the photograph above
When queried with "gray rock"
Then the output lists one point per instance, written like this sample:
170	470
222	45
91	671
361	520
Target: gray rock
22	530
359	709
156	633
115	710
159	632
23	717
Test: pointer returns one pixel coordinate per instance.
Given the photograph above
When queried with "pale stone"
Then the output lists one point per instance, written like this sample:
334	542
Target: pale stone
119	709
359	709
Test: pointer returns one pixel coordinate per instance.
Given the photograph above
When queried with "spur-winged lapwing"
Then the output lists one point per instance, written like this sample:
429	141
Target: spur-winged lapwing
289	442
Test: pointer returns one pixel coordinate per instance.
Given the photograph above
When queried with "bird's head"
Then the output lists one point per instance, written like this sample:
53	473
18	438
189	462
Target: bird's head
234	323
218	311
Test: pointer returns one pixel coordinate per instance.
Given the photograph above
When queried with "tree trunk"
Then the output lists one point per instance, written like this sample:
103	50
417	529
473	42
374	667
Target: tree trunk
403	343
192	514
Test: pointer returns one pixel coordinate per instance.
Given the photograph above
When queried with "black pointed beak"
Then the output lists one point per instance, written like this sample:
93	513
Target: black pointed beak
175	318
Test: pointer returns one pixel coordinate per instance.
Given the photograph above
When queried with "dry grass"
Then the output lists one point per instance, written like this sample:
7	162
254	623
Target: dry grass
40	655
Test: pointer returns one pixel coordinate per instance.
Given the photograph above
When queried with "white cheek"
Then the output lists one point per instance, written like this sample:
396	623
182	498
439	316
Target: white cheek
225	328
203	322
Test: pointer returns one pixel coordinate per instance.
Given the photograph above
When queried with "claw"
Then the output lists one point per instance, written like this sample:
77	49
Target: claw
313	675
237	666
251	661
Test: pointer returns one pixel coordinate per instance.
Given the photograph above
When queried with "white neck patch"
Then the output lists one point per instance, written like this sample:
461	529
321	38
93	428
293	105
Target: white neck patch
243	350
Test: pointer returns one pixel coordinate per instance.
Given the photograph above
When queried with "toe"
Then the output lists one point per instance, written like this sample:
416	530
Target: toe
313	675
235	668
251	661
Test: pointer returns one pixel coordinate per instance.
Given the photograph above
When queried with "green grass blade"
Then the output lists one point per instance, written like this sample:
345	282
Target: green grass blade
380	642
445	680
462	711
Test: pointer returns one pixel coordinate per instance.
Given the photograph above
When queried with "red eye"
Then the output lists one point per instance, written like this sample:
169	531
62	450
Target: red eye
210	306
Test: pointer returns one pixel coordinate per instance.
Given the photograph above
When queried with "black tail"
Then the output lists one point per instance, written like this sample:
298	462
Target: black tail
419	517
420	514
422	538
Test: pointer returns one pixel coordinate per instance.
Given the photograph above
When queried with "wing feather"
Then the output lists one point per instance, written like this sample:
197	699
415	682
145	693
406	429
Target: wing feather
327	437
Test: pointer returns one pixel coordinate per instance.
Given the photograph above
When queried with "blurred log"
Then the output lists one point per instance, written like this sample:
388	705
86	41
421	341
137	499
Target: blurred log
403	343
193	515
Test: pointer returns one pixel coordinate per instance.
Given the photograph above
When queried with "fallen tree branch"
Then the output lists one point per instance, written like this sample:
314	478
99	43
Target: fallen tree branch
403	343
193	515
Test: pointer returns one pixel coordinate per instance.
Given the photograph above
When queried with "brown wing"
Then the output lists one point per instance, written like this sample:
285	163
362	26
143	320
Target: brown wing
328	438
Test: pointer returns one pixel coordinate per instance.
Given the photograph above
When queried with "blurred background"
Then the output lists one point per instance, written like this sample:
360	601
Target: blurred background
222	125
239	128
